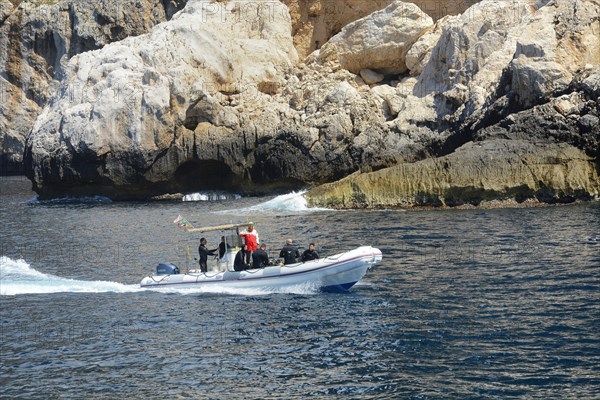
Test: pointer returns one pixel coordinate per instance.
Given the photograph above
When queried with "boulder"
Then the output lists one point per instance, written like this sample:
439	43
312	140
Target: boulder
370	77
314	22
379	41
591	83
392	104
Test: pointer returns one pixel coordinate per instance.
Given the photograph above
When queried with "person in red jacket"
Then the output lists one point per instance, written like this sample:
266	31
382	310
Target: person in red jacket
251	239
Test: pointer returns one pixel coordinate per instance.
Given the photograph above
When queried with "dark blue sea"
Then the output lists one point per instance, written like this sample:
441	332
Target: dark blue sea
467	304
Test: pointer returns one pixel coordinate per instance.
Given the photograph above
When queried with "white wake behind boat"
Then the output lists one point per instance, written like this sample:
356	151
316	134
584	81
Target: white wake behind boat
333	273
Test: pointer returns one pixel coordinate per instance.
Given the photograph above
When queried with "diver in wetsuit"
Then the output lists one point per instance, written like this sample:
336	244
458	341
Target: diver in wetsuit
260	258
203	252
223	246
289	252
239	264
310	254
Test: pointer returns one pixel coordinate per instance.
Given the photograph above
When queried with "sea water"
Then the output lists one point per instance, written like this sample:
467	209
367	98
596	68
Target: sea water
466	303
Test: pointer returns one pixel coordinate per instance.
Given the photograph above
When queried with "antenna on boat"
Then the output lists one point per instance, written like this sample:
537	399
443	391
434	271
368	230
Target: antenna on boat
187	257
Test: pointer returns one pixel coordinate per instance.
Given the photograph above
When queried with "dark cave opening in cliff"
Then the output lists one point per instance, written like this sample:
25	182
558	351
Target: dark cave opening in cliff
45	47
205	175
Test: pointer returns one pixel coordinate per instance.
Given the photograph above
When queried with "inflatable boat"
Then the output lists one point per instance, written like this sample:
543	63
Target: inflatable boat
333	273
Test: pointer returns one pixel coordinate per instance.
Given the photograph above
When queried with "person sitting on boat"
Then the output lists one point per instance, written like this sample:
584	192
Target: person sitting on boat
240	264
310	254
251	238
260	258
204	253
289	252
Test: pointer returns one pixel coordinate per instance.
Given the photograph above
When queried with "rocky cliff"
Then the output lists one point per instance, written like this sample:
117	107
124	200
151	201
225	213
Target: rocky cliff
218	97
40	37
37	39
531	74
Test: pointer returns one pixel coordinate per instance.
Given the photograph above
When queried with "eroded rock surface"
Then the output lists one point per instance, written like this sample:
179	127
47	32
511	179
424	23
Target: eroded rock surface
215	100
478	172
37	39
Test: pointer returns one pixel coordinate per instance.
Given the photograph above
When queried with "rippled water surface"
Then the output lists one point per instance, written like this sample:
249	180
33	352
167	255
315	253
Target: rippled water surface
466	304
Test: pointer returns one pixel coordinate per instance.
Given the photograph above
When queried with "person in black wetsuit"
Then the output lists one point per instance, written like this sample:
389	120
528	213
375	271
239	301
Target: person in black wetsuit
260	258
222	247
203	252
310	254
289	252
239	264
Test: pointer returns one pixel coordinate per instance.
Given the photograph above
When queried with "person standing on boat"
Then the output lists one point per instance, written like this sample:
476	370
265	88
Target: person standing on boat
240	264
289	252
251	239
223	246
203	252
260	258
310	254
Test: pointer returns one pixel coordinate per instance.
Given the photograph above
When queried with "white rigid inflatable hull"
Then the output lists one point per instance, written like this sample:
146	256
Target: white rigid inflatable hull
334	273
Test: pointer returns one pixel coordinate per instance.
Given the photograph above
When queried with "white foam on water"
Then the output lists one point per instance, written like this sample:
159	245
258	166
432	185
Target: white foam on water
17	277
211	196
293	202
210	289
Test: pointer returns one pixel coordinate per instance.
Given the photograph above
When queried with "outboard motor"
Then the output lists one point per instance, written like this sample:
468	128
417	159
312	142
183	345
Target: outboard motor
167	269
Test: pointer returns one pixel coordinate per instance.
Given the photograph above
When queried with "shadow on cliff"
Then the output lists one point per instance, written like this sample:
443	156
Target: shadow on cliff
199	175
508	116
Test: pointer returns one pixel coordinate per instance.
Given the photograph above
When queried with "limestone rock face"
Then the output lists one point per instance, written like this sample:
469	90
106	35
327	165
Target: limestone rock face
41	37
36	42
214	99
477	172
419	54
483	68
569	118
547	56
314	22
379	41
466	64
527	74
5	9
123	106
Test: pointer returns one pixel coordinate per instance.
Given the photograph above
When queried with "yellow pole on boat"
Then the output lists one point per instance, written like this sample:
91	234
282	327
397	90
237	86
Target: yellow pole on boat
188	257
216	228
